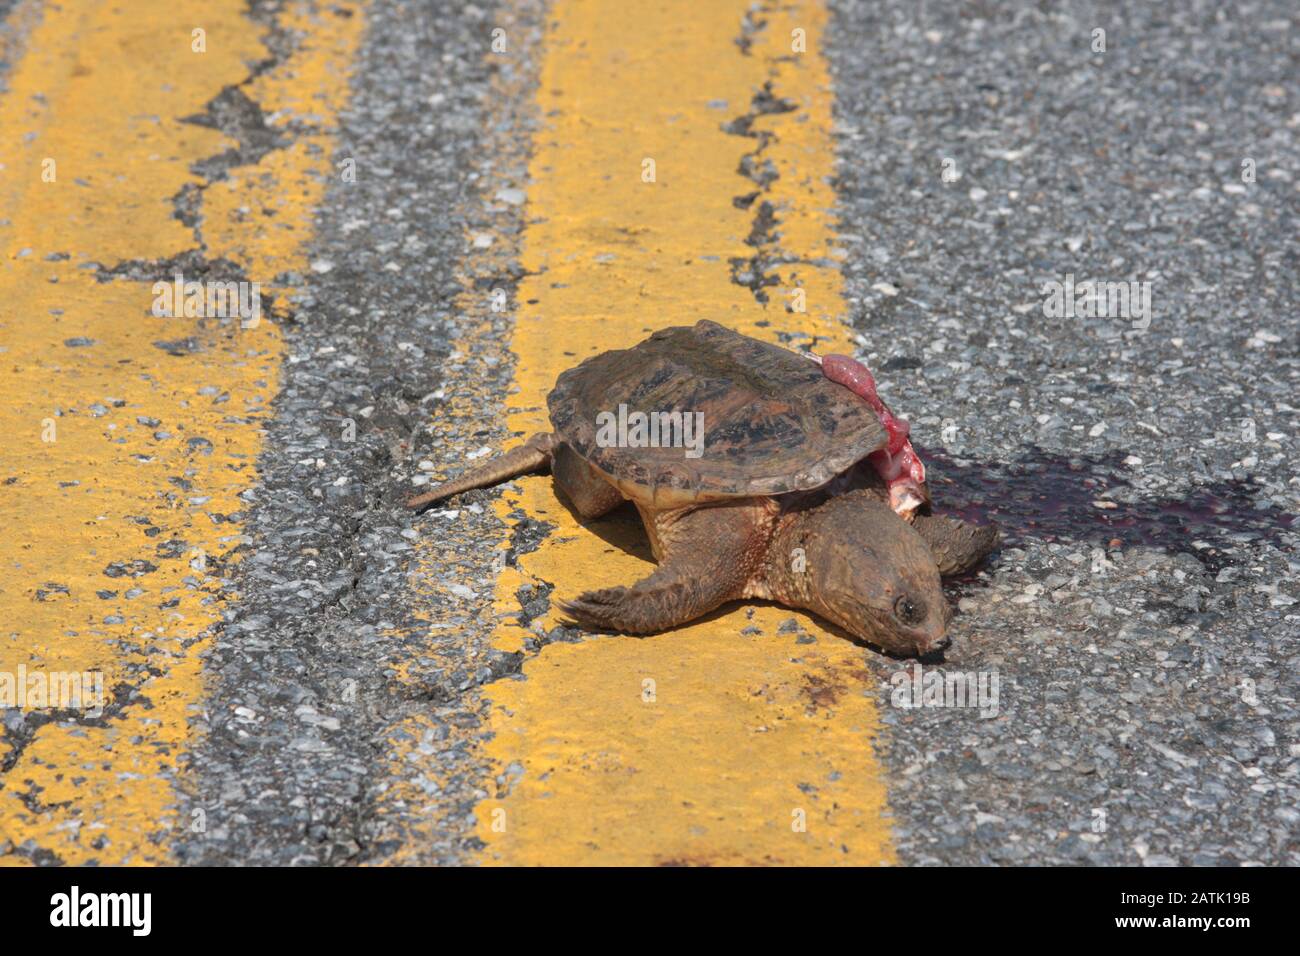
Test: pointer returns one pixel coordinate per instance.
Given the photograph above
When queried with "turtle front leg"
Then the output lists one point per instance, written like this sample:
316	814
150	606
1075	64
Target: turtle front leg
708	555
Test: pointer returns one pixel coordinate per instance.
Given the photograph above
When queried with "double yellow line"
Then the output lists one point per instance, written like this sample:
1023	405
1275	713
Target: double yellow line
672	133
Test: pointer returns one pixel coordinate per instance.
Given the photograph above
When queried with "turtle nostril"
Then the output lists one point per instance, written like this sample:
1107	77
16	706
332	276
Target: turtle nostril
942	644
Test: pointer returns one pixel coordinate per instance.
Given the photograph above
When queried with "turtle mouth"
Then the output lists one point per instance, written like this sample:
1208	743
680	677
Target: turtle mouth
925	642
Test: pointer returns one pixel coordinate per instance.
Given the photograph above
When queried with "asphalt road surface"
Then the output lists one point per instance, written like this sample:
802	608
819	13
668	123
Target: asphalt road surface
1065	240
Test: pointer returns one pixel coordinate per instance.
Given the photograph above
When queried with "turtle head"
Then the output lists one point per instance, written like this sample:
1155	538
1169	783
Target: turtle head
868	571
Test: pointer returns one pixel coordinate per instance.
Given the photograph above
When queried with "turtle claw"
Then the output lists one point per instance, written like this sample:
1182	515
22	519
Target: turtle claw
592	608
602	610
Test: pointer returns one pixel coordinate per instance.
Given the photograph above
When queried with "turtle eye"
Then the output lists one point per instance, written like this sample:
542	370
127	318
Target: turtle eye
909	610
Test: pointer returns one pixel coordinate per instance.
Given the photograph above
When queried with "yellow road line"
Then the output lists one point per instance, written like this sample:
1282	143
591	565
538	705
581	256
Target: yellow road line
703	745
97	498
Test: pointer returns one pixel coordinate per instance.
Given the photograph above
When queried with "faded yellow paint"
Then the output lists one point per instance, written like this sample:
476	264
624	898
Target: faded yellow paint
101	91
702	745
259	212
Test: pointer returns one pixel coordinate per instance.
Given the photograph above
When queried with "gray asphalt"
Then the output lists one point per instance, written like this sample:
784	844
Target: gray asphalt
17	20
1147	651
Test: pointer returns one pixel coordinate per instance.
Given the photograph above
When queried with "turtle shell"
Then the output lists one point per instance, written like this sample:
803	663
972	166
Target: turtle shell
772	423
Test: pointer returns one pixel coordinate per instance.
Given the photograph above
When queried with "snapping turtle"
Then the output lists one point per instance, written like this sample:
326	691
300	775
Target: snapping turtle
748	465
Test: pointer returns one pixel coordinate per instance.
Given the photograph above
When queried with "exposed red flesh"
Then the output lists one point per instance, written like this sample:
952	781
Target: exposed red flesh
897	464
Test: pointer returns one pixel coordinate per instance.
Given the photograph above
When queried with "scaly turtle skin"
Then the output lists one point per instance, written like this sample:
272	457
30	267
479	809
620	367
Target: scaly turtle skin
776	502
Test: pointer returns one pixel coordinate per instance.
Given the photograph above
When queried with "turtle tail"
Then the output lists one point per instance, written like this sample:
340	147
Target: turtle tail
532	456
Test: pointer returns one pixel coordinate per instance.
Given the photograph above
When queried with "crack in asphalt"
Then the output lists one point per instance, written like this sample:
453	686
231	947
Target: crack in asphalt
752	272
750	26
21	732
237	116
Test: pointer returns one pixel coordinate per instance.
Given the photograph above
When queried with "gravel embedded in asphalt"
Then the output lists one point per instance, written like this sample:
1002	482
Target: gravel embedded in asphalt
1142	617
